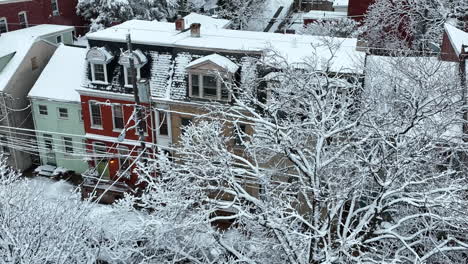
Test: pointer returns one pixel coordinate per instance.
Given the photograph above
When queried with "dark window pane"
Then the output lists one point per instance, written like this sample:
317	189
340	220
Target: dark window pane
195	85
118	117
96	115
209	86
163	129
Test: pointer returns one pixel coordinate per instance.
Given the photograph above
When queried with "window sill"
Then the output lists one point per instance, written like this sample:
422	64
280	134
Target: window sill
63	118
210	99
97	127
100	82
118	130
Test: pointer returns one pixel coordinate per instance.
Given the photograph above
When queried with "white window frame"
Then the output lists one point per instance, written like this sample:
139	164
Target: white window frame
127	72
46	110
80	116
201	87
94	126
48	137
113	118
55	12
93	76
3	20
158	123
25	18
65	146
66	111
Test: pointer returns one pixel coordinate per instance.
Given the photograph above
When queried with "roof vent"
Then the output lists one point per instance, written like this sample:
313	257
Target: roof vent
195	30
180	24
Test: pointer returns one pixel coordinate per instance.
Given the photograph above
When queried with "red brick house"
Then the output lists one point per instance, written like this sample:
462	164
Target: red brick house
110	122
358	8
16	14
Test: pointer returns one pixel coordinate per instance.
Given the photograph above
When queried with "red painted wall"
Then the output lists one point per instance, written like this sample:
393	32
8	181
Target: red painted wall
40	12
447	51
357	8
108	130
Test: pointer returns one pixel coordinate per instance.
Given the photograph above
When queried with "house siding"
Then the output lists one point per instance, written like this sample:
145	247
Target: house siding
72	126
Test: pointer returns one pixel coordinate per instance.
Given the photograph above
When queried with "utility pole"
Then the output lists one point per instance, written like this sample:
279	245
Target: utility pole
138	107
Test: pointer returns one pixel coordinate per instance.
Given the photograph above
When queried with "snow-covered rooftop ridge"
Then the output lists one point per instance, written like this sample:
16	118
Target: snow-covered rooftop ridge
38	31
316	14
70	64
19	42
205	21
457	37
294	48
217	59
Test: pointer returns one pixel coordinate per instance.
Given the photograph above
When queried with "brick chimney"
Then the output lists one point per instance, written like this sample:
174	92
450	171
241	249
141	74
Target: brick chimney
180	24
195	30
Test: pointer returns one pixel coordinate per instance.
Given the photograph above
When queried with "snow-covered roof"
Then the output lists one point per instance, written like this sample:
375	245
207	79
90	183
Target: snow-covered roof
315	14
19	42
139	59
61	76
294	48
206	21
99	55
457	37
217	59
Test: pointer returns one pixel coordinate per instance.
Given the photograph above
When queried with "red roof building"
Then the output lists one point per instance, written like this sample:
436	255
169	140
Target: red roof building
16	14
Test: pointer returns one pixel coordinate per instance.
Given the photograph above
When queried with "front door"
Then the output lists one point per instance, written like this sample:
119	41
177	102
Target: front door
103	169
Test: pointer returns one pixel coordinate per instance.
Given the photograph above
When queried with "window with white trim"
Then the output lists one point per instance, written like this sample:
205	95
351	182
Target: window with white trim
99	72
68	144
23	19
100	151
163	123
3	25
95	112
55	9
128	76
48	142
117	115
208	86
43	110
80	115
62	113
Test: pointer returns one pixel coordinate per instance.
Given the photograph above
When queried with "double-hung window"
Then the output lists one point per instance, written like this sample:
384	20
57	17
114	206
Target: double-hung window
4	144
43	109
99	72
48	142
23	19
95	110
62	113
117	113
124	158
163	126
208	86
68	143
129	77
3	25
55	9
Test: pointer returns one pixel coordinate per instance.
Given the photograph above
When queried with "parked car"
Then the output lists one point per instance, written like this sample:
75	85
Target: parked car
52	172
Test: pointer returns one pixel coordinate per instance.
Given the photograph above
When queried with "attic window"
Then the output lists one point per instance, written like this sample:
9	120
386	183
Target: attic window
139	60
98	58
209	77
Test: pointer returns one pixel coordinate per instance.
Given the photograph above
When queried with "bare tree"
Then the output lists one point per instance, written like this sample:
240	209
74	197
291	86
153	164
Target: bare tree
318	168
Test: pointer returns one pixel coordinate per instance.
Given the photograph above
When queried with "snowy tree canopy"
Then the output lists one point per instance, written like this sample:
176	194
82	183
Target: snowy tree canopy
326	171
411	23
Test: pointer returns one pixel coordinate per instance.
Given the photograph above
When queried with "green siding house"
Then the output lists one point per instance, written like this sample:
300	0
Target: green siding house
56	110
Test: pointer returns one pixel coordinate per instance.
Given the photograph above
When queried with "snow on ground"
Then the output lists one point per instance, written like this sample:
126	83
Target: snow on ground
260	21
110	218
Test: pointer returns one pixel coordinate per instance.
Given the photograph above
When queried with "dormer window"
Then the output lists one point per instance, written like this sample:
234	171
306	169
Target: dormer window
209	77
139	60
98	59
